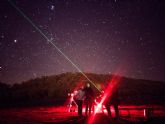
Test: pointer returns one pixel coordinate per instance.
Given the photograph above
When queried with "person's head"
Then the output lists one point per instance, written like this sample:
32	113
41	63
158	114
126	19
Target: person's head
88	85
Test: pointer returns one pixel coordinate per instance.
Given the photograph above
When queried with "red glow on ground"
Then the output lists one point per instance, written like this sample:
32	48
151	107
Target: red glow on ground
58	114
144	112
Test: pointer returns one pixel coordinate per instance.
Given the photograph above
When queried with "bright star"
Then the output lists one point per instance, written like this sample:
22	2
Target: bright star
52	7
15	41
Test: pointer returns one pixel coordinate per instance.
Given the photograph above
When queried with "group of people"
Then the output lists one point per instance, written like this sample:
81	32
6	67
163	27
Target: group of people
86	95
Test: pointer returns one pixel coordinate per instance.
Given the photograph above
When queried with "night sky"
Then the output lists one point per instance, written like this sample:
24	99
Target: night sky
97	35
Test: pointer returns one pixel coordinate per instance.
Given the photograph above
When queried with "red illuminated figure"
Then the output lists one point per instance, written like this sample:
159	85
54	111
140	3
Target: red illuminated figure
89	99
79	97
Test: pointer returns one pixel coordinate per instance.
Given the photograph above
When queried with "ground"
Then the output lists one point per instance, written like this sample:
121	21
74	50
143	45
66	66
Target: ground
60	114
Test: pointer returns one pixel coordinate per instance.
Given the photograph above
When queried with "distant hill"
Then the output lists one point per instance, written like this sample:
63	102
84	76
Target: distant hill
52	89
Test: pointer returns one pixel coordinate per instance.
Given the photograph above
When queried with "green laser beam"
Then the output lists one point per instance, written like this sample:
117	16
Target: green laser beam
50	41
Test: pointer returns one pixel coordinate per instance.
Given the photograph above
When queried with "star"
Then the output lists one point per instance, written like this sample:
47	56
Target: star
52	7
5	16
140	38
2	36
15	41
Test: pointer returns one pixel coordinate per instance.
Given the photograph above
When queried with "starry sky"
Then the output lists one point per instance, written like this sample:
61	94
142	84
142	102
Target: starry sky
97	35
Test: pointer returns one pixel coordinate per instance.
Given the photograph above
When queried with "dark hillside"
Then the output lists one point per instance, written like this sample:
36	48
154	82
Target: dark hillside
54	89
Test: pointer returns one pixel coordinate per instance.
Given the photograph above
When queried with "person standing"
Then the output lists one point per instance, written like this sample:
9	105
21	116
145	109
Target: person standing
89	99
113	100
79	97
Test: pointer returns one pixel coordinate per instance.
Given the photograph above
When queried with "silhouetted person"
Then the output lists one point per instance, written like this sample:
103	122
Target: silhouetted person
113	100
89	98
79	97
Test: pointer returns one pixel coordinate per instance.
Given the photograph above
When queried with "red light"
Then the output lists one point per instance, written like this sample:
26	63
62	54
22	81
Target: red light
99	106
106	95
72	94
